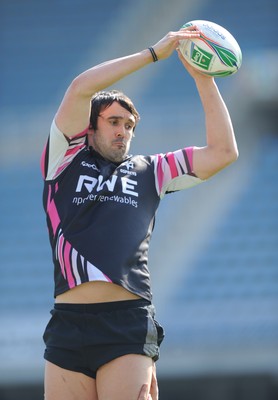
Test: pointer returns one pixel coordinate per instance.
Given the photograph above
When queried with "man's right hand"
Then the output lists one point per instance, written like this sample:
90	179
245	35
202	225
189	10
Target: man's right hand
153	394
144	393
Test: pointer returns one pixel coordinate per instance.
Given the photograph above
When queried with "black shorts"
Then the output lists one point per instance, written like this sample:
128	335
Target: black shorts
83	337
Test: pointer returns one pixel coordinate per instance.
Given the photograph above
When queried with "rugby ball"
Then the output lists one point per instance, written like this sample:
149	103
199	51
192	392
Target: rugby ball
215	53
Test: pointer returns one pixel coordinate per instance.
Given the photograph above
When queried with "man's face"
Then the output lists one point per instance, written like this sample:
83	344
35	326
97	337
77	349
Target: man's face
114	132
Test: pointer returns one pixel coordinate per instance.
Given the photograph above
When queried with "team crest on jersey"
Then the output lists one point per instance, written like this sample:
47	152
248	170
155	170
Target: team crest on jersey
128	164
127	167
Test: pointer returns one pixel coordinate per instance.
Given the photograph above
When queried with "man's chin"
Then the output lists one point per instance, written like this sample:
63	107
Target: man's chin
117	156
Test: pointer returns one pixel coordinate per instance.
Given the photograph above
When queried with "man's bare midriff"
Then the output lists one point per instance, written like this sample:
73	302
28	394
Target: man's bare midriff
96	292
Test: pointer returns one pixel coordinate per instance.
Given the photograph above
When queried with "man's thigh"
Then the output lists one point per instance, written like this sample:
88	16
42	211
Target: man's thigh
123	377
62	384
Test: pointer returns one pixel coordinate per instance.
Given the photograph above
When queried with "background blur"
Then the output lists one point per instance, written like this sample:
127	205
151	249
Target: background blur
214	255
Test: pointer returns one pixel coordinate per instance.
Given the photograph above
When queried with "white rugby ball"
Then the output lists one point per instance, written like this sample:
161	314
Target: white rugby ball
215	53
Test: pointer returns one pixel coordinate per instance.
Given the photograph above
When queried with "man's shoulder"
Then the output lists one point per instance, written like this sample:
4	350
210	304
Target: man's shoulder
147	159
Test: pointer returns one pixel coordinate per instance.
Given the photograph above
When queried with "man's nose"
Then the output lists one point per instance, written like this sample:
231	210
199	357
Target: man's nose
120	132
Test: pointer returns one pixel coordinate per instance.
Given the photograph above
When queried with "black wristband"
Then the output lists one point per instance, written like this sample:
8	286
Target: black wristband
153	54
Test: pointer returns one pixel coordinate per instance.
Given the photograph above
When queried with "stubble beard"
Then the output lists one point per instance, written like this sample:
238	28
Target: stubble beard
116	155
113	152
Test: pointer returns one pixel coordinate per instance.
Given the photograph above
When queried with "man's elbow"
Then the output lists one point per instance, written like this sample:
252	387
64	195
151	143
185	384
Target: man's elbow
221	161
79	88
232	156
228	158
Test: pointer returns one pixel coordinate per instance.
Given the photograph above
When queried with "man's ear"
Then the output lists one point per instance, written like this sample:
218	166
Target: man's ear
90	135
91	131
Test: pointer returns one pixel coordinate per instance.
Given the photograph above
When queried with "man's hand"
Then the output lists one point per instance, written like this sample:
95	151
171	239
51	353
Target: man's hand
145	394
165	47
193	71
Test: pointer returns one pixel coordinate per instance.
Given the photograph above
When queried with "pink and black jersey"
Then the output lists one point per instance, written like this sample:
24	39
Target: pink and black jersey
101	215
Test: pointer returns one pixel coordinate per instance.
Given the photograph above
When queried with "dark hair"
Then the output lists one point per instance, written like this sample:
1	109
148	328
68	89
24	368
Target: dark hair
104	99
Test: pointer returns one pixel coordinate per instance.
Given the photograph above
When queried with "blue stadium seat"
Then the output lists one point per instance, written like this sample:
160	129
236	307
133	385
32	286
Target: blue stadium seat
232	289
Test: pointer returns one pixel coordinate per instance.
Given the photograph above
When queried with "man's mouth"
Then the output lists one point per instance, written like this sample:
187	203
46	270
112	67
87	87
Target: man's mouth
119	143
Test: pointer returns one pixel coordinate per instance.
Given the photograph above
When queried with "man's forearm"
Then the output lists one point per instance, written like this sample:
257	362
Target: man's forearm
221	148
107	73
